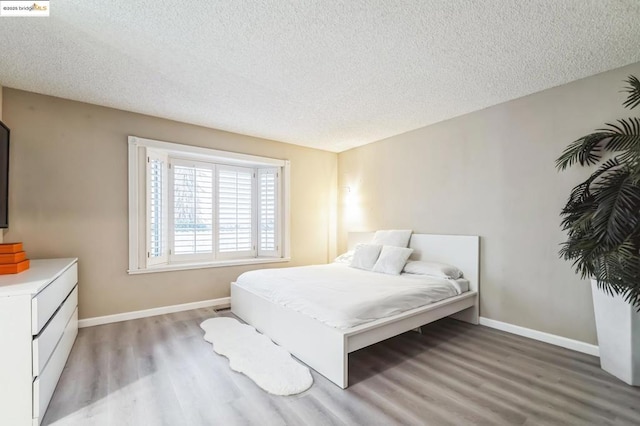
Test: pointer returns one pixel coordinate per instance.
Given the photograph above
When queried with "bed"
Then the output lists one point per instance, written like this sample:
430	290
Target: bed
325	348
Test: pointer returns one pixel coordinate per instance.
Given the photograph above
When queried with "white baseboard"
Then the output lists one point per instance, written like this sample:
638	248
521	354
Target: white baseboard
223	302
564	342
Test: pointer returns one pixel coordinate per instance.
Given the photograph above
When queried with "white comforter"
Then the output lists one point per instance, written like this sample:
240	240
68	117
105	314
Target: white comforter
343	297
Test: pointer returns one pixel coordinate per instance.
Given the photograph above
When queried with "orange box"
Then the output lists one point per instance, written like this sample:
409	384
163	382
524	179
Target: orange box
8	248
12	257
14	268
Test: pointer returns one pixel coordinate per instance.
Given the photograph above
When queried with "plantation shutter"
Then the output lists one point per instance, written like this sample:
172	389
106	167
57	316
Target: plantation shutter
192	202
268	226
235	211
157	208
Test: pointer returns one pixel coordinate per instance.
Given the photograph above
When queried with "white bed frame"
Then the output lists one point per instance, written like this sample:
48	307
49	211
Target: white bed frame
326	349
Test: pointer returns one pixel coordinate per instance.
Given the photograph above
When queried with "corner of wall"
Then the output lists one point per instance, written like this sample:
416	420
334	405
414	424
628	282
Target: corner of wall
332	245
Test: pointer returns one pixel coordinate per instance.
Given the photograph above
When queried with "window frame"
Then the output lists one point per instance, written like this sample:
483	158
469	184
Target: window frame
259	213
252	252
191	257
163	258
138	150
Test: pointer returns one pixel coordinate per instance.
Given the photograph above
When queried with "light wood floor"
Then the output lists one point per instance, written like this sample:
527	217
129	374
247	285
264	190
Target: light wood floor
160	371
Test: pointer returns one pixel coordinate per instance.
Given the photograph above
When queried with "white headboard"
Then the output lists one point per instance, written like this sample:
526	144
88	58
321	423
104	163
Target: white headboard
462	251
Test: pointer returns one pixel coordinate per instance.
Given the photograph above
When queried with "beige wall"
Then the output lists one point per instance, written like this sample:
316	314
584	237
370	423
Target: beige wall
491	173
68	197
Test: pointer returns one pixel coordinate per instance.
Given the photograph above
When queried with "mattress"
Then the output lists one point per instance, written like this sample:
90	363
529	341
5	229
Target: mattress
343	297
462	284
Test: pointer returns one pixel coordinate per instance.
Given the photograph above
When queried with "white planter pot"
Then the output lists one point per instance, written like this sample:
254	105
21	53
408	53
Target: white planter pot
618	327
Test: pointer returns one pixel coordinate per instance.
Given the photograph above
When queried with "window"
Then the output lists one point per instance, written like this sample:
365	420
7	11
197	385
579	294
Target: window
193	207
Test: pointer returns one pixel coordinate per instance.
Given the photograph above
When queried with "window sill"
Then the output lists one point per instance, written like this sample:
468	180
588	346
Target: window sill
202	265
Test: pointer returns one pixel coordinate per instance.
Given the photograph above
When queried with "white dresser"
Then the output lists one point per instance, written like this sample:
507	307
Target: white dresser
38	325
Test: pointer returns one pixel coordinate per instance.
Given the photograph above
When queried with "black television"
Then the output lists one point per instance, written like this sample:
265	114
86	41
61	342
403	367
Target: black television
4	176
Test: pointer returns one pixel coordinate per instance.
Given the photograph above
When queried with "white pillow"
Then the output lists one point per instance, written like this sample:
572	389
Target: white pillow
344	258
392	237
435	269
365	256
392	260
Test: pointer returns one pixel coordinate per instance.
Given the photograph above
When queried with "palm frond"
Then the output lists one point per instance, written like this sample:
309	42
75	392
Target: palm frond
577	215
580	192
624	136
618	203
579	219
585	151
602	215
618	272
633	89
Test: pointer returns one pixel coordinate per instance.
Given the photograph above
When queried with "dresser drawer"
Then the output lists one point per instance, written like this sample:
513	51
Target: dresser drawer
45	303
44	344
45	384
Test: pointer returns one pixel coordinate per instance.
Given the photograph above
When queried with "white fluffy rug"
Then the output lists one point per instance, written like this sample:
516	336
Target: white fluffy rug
255	355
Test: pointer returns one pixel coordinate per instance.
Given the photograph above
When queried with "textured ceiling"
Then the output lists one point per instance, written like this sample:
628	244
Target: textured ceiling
326	74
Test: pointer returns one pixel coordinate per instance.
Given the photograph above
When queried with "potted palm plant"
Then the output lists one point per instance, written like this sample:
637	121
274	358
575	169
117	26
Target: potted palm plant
602	221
